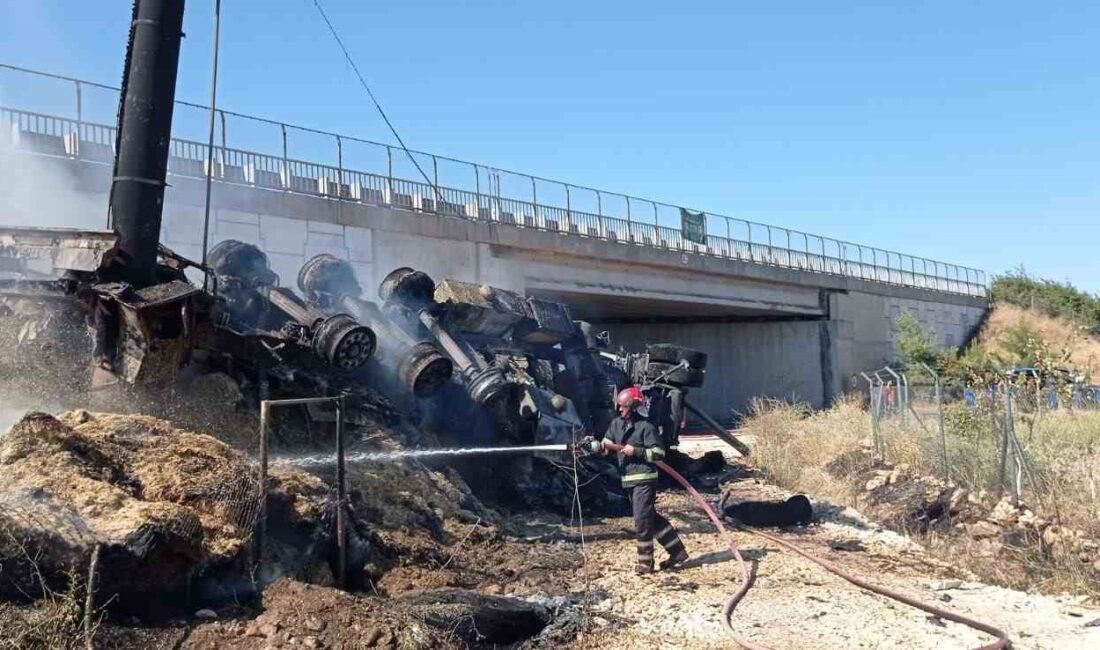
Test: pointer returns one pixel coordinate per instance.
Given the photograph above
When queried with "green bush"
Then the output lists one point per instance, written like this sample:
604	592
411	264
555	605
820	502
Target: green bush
1052	298
913	344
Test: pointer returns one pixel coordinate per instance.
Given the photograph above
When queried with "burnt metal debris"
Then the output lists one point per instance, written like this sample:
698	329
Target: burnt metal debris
511	368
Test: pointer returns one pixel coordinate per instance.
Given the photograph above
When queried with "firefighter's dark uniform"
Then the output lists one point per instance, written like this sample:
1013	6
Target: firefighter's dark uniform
639	477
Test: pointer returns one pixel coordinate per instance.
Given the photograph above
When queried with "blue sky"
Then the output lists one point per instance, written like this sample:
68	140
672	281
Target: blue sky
964	131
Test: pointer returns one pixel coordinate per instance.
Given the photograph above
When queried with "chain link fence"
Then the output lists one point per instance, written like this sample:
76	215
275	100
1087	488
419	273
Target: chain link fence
1029	435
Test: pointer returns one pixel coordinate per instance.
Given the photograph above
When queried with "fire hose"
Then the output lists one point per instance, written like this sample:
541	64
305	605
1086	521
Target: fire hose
746	576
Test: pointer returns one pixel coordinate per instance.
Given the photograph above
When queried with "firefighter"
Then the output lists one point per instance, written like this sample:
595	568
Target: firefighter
641	446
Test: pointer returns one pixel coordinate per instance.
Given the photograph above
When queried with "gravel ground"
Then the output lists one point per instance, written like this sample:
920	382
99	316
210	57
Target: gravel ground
796	604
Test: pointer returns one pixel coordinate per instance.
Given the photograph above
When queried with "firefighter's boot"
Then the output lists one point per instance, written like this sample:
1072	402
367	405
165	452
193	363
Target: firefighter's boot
670	540
644	563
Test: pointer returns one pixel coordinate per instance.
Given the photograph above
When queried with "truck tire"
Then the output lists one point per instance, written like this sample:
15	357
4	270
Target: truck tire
686	377
668	353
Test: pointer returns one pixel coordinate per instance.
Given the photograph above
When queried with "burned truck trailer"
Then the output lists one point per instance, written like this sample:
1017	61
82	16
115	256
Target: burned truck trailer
148	319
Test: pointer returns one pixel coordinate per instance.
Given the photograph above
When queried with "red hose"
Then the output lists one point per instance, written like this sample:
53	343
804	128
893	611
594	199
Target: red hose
746	577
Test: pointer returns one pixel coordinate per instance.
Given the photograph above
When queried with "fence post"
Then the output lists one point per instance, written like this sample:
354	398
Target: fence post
939	410
902	397
876	400
1005	442
261	529
341	499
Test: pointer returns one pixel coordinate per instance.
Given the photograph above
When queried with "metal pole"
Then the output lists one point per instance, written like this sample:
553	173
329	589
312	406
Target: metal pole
535	201
341	498
629	222
477	191
79	103
1002	460
261	529
221	118
719	430
568	210
144	136
876	400
210	141
939	408
389	174
286	161
79	118
339	167
901	395
1010	434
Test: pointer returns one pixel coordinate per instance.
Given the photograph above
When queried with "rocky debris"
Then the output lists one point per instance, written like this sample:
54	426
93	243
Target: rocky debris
906	502
944	585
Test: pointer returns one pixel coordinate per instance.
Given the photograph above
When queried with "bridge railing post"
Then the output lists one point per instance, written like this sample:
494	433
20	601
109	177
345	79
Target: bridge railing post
389	175
477	192
339	167
286	160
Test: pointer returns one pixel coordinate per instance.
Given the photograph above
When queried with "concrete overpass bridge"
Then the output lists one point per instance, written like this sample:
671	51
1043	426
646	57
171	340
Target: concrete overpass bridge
782	313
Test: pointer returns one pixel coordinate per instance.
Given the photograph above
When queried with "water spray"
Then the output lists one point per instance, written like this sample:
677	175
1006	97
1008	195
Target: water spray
391	456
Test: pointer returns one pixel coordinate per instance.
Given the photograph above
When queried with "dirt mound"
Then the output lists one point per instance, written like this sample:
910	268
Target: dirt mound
163	503
1082	350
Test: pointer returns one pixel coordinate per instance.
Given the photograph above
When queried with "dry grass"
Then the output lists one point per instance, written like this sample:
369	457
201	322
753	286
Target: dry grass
802	451
55	620
1058	333
792	445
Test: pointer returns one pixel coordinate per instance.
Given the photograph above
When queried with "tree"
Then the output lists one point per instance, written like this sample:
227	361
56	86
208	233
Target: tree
912	343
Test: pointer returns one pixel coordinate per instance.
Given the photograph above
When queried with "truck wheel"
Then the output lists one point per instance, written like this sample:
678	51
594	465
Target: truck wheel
686	377
668	353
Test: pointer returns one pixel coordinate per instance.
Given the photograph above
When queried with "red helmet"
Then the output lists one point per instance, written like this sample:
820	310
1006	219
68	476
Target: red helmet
630	396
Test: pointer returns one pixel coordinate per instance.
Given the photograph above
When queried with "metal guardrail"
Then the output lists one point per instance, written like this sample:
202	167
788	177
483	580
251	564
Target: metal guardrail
478	193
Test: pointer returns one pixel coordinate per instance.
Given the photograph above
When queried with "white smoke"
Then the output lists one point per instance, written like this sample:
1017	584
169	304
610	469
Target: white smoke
42	192
38	191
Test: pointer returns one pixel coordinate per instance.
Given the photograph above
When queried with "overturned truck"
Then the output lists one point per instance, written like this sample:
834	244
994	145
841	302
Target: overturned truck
524	372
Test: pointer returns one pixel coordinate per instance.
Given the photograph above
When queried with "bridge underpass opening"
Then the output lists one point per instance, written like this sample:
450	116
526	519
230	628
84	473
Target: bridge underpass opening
752	353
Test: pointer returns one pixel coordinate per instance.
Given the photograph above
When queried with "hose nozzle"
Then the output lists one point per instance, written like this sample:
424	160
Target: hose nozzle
590	445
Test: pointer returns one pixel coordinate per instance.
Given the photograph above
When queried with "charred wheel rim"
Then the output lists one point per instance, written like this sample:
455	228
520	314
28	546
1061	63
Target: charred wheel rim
343	342
426	370
407	286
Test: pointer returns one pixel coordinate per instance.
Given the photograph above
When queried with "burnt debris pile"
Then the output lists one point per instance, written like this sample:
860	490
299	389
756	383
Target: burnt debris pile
174	512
